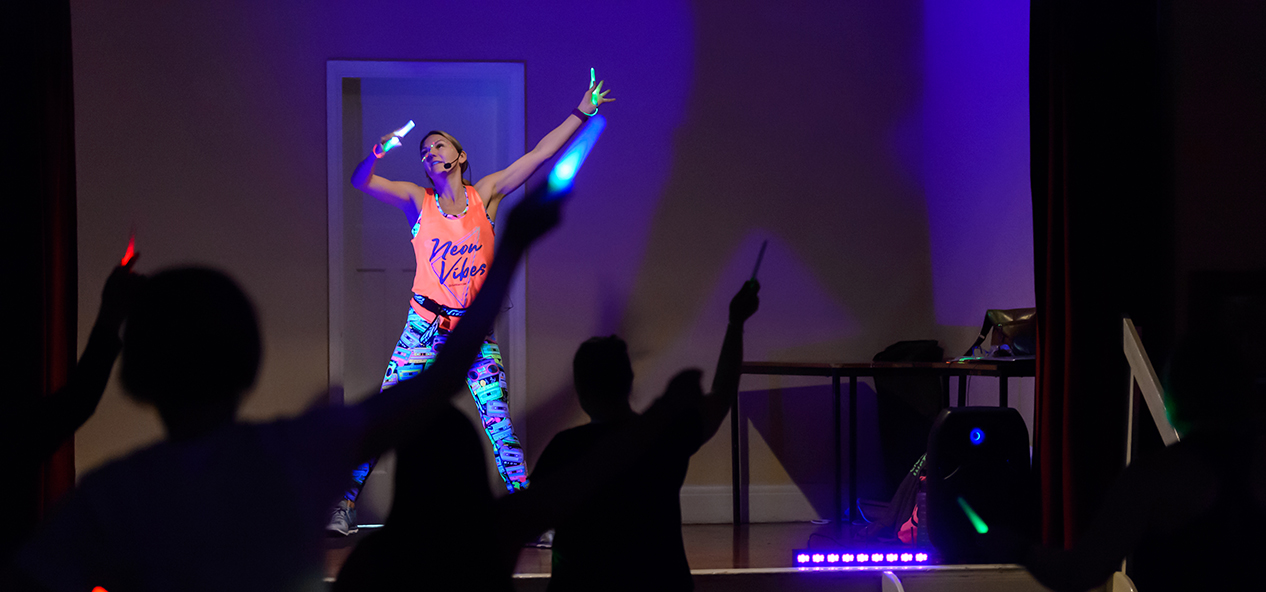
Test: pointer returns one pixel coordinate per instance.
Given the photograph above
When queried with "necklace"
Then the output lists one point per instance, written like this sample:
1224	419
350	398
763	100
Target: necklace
453	216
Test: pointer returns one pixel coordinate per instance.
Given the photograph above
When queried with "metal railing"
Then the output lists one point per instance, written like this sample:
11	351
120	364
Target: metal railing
1144	375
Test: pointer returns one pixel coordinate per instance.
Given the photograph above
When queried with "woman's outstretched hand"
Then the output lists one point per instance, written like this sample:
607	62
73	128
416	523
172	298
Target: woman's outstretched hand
594	98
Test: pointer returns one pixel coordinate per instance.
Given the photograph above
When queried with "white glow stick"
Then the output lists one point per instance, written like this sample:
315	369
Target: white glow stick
402	132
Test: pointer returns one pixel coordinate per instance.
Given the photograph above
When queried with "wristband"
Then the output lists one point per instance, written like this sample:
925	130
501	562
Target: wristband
582	115
376	152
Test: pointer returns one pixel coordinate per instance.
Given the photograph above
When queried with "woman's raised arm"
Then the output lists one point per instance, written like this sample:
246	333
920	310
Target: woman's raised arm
496	185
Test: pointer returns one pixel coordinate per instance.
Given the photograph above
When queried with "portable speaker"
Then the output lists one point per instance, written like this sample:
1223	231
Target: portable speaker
978	478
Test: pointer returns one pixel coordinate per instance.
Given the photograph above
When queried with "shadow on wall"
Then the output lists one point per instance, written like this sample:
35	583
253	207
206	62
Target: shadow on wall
790	135
794	133
796	425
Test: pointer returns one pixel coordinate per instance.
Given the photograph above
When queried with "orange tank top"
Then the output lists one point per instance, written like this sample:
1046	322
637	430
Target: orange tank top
453	253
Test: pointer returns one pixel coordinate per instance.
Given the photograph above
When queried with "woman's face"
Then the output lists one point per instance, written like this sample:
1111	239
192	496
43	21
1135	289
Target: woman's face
438	150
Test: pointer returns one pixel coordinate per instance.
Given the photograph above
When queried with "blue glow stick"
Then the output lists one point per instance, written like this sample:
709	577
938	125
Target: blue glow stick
563	175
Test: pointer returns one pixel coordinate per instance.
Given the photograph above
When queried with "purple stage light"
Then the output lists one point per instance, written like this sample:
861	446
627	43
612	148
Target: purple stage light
837	558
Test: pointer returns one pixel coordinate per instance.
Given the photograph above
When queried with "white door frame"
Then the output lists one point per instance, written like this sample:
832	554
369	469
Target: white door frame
513	324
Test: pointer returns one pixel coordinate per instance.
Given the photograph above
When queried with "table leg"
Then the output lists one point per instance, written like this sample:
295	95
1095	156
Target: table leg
736	463
839	480
962	390
852	442
1002	391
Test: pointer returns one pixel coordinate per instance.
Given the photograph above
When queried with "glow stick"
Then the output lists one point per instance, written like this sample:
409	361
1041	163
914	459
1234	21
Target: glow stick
759	257
394	142
563	175
404	131
979	524
131	250
594	98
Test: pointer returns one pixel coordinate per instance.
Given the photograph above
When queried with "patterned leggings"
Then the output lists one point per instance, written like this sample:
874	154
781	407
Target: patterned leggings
415	351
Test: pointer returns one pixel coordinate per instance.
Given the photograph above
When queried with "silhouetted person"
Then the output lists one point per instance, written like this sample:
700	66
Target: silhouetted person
637	512
32	427
1192	516
160	518
446	532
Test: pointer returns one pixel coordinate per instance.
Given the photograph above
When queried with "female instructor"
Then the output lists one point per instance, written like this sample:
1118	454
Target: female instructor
453	241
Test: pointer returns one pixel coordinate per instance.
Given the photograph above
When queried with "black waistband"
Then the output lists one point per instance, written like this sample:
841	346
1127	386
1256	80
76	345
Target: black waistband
437	308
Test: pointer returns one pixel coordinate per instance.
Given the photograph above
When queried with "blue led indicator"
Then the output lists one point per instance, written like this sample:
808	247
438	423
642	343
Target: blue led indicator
977	436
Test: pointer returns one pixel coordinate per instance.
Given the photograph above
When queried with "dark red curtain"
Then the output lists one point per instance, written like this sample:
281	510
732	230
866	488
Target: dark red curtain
1100	117
40	239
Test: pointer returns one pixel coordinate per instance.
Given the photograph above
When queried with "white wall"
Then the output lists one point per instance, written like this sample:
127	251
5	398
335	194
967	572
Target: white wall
823	127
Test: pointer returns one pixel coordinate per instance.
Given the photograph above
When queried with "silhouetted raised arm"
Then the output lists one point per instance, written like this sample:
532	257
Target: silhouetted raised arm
46	422
725	382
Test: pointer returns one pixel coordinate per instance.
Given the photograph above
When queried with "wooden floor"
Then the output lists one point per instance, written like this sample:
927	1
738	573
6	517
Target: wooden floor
720	546
708	546
758	557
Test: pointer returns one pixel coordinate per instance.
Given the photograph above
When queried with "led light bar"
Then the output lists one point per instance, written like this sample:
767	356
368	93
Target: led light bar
841	558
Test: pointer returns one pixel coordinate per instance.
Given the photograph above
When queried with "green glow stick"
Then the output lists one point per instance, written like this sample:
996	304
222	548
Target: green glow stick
592	78
980	525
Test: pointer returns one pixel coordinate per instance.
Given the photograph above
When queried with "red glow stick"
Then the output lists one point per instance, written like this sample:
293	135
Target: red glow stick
131	250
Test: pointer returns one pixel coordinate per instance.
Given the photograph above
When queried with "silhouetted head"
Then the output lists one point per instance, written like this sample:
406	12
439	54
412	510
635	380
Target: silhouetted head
191	341
604	377
1212	381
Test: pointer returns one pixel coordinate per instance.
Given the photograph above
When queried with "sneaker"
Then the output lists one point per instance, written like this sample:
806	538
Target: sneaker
545	541
342	520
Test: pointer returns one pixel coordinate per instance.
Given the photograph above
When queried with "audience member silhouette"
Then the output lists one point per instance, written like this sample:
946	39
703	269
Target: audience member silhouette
637	513
34	426
1191	516
158	519
445	530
